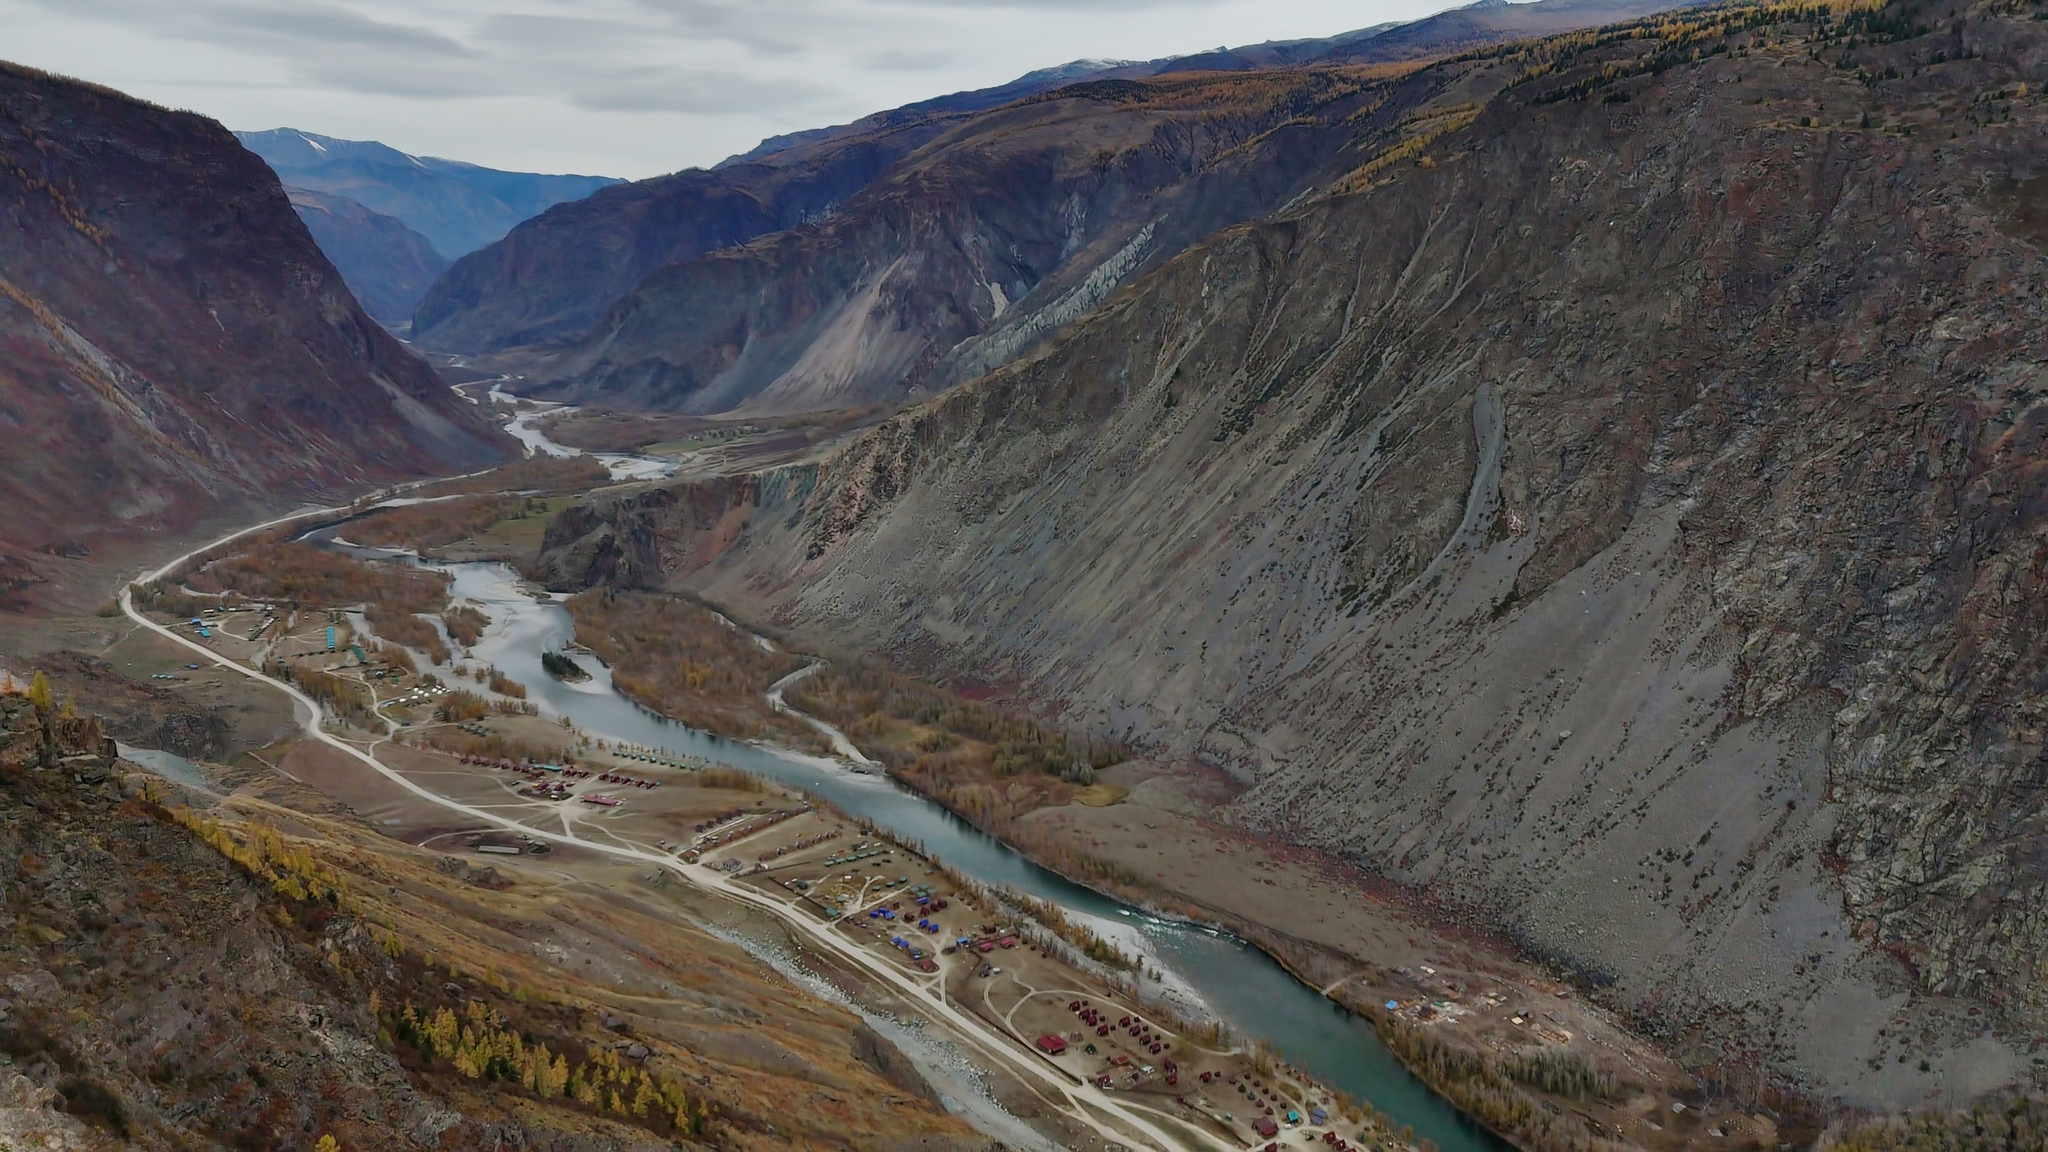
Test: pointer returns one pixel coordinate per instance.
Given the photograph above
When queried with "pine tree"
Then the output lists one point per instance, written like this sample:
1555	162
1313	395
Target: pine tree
644	1096
39	692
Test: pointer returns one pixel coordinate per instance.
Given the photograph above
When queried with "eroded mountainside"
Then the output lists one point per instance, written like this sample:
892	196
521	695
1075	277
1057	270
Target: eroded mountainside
1615	508
967	234
555	275
173	340
960	256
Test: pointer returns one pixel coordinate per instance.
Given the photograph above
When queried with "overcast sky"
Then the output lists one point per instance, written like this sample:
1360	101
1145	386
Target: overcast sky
613	87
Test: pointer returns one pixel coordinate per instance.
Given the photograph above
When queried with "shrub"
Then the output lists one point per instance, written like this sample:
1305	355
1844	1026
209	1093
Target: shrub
462	705
729	778
465	624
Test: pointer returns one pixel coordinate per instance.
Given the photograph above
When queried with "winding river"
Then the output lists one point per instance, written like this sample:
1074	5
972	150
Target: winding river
1199	967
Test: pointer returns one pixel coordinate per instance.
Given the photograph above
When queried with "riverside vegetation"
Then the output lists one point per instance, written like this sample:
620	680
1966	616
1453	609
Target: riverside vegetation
681	660
424	527
987	765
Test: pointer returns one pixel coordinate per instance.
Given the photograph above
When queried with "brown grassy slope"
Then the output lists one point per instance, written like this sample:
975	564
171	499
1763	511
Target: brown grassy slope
180	978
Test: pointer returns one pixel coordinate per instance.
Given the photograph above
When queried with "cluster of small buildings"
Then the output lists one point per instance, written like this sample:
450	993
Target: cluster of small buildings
750	828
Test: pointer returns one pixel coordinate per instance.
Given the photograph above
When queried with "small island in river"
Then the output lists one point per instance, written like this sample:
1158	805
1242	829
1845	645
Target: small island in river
563	667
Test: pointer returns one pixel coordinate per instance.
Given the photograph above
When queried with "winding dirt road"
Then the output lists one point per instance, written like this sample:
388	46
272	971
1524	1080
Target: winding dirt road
1086	1104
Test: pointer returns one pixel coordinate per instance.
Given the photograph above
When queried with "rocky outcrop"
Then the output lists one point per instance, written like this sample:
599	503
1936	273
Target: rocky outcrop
972	250
1618	514
34	738
648	538
174	341
557	274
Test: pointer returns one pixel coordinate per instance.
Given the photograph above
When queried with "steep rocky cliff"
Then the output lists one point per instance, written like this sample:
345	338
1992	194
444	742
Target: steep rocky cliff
961	256
173	340
1002	221
555	275
1619	513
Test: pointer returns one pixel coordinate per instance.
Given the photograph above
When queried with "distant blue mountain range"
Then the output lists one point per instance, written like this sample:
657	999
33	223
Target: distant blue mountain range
458	207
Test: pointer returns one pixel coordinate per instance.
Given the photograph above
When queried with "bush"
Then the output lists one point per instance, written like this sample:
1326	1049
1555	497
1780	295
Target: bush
461	706
413	632
729	778
304	575
465	624
507	687
424	526
684	661
2016	1124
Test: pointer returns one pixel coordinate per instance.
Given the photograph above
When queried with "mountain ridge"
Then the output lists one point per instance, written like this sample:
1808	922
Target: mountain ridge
175	340
386	264
458	206
549	285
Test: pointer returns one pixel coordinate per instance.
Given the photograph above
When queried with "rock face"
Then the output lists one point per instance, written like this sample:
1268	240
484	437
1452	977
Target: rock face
387	265
974	248
172	337
1002	222
556	275
1621	516
33	739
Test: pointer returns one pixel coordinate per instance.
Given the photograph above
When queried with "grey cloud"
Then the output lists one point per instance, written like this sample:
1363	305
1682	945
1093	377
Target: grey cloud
590	62
904	60
531	31
648	82
1089	6
770	28
325	25
672	90
316	25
